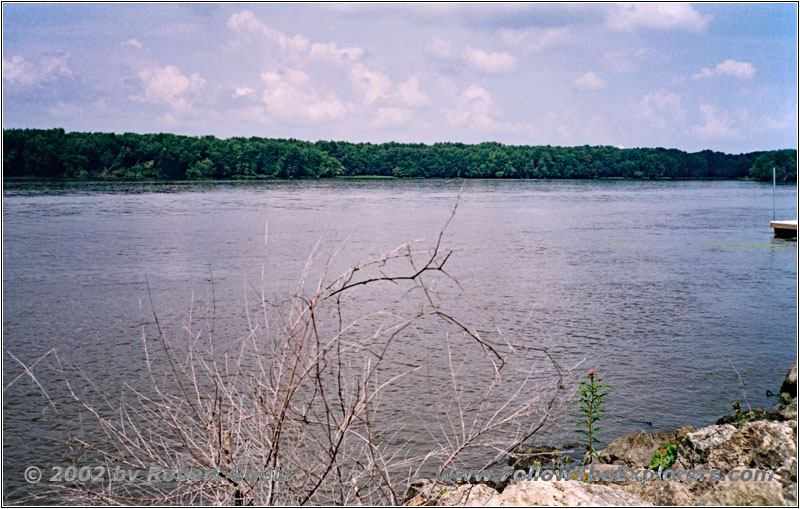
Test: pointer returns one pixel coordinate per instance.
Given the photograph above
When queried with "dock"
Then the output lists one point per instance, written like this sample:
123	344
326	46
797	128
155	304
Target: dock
784	229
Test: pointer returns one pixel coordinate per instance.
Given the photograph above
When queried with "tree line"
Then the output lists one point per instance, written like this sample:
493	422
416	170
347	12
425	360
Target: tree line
54	153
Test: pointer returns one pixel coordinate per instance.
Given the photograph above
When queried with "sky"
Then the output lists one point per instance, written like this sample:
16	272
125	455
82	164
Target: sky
687	76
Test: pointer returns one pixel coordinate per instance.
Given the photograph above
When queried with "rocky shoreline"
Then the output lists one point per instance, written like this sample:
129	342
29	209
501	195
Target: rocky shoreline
755	440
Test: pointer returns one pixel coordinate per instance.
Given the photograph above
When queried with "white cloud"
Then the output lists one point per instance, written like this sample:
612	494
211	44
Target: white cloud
291	93
665	16
289	96
556	124
17	70
737	69
589	81
242	91
56	65
391	116
624	60
494	62
475	109
246	23
500	62
741	70
474	106
535	39
248	114
66	110
714	125
705	72
512	36
329	108
441	48
548	37
133	43
372	85
785	116
49	68
331	52
446	86
659	108
569	125
169	85
182	28
409	93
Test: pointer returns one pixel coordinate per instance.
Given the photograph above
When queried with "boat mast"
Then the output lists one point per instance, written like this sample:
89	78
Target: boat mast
773	193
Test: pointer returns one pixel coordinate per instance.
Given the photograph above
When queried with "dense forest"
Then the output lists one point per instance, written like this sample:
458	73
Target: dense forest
54	153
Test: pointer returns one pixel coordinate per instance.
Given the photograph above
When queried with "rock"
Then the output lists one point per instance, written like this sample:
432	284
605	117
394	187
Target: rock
790	412
758	444
598	470
563	493
525	456
739	416
787	475
766	445
635	449
661	492
790	382
696	445
424	492
467	495
738	493
428	492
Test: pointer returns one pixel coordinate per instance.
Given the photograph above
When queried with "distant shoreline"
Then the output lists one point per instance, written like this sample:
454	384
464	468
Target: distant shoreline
269	178
55	153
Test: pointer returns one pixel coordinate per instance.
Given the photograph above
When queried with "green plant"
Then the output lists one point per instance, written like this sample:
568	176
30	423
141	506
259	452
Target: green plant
783	400
740	417
664	456
590	401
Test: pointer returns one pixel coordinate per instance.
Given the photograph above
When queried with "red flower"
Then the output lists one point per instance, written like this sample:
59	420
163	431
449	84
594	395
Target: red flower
591	373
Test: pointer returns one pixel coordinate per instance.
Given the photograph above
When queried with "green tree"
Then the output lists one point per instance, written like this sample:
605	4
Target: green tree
784	162
201	169
53	153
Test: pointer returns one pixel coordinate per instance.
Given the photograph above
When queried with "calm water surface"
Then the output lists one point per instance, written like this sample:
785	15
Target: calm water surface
659	286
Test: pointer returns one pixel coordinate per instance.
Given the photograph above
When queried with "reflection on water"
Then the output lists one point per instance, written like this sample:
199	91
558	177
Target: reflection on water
657	286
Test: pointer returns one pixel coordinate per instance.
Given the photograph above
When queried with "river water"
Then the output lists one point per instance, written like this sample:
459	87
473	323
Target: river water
670	290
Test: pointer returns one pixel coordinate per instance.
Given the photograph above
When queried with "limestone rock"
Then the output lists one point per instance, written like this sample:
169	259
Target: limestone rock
790	412
635	449
757	444
787	475
428	492
790	382
526	455
598	470
424	492
563	493
749	493
467	495
696	446
662	492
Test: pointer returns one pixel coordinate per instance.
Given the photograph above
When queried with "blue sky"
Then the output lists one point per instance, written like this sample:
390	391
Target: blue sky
688	76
